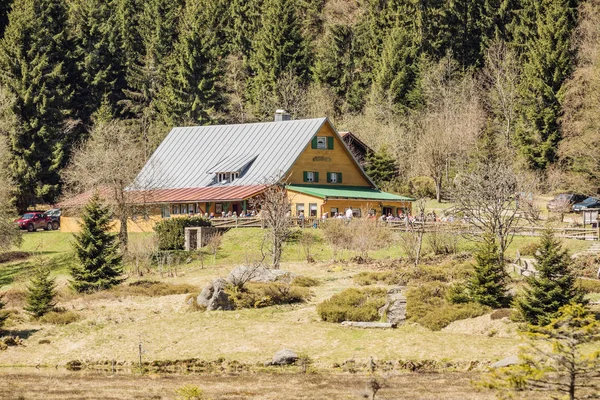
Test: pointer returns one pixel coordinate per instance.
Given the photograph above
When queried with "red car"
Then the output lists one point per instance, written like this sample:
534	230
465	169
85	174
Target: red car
32	221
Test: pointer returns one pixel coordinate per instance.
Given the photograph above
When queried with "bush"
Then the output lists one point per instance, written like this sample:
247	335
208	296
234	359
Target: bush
587	265
426	304
258	294
529	249
171	232
441	317
305	281
154	289
421	186
353	305
589	285
371	278
60	317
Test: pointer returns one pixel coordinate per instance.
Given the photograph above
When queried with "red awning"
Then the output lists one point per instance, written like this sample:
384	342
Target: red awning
193	195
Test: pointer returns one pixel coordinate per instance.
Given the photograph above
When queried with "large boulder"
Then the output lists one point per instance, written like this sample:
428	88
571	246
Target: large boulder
394	309
507	362
214	297
284	357
243	274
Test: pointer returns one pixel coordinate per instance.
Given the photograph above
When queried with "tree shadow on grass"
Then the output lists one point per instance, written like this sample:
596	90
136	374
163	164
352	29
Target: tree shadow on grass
20	333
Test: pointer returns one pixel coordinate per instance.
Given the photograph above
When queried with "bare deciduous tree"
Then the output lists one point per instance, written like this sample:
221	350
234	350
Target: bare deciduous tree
109	162
412	238
368	235
493	201
337	234
450	122
214	243
275	207
500	80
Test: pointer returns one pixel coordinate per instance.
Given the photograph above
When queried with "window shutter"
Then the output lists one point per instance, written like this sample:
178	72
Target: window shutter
305	176
316	176
339	176
314	142
329	142
329	177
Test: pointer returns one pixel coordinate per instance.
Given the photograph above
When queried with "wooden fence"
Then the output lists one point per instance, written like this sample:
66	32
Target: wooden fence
458	228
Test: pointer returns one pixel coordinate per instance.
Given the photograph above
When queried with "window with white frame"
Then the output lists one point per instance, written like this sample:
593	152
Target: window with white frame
321	142
333	177
227	176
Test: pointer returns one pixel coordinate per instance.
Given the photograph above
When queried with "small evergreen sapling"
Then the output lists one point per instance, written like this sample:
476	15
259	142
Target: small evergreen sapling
40	293
97	251
553	287
488	285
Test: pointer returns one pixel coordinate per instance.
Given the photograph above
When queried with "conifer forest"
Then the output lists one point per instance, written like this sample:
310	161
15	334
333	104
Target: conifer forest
426	83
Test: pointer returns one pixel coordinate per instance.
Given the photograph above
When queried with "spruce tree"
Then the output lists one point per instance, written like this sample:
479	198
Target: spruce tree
243	25
488	285
98	56
552	287
381	167
396	75
97	250
35	68
192	92
279	47
40	293
147	64
335	68
548	61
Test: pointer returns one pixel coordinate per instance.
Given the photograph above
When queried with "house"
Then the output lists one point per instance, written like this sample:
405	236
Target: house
221	168
357	147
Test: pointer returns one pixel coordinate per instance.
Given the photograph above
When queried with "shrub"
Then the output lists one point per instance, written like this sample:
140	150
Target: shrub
587	265
305	281
442	243
589	285
353	305
529	249
171	232
426	304
190	392
366	278
60	317
421	186
441	317
258	294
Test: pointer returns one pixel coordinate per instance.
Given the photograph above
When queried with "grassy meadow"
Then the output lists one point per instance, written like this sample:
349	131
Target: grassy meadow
110	325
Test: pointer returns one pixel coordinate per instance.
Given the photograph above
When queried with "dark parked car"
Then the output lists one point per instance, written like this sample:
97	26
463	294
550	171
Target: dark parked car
590	202
55	215
32	221
564	201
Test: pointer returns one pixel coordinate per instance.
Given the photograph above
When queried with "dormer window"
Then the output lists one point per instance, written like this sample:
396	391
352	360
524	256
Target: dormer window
223	177
322	142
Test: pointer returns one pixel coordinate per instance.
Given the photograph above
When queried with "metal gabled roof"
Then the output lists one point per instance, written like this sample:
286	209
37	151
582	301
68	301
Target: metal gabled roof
188	156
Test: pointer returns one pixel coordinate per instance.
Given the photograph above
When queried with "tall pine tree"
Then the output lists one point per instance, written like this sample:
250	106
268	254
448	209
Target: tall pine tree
279	47
98	54
97	250
552	287
192	92
488	285
548	61
396	79
35	67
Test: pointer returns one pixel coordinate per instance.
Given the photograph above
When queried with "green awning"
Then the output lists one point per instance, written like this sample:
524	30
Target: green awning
346	192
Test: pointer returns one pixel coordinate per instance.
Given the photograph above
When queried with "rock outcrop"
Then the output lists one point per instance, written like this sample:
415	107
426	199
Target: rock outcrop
395	307
214	297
